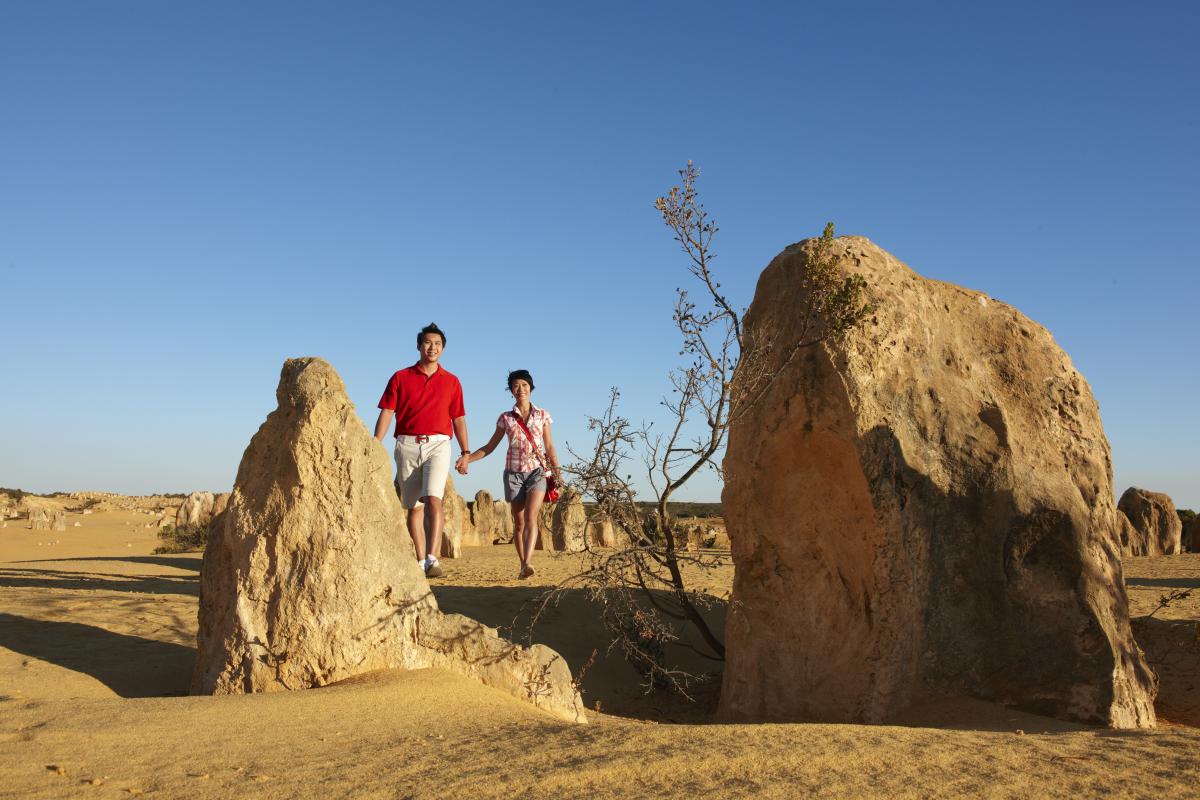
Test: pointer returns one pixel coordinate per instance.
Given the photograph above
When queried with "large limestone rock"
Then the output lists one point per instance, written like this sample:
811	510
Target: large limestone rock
58	520
312	577
1154	518
196	509
925	506
569	523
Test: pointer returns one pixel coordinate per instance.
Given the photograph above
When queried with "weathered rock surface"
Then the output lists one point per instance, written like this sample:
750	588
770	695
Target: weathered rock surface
545	539
39	519
220	502
58	520
1133	542
196	509
569	523
312	577
504	522
456	525
923	506
220	505
483	519
1154	518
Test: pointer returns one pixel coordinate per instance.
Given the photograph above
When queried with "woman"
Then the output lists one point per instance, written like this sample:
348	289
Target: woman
526	463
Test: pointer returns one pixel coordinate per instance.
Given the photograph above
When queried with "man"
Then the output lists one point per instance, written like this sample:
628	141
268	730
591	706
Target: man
427	402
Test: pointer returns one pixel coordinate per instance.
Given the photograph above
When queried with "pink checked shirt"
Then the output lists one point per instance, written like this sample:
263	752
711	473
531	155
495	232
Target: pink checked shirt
520	456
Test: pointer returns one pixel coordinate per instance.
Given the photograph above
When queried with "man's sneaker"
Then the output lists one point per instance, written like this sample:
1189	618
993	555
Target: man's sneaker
434	570
526	571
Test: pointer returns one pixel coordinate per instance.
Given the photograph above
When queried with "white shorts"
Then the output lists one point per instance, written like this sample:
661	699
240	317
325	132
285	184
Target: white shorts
422	467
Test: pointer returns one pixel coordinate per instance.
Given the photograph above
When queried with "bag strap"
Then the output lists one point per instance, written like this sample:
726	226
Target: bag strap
537	451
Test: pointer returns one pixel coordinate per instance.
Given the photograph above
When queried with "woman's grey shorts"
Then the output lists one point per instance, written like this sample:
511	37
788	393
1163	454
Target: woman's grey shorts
516	484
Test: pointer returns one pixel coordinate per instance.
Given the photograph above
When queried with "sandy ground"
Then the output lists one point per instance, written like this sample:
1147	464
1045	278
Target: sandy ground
96	646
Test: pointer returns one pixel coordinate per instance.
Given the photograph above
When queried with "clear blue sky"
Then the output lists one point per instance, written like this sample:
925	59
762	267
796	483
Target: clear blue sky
191	193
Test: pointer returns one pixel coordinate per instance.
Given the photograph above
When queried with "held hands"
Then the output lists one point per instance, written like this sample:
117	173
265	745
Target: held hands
461	464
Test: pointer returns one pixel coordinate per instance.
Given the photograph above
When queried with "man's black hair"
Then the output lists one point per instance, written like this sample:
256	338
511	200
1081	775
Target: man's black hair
431	328
520	375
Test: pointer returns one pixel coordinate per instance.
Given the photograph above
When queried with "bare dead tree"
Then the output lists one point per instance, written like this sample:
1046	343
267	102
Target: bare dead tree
642	585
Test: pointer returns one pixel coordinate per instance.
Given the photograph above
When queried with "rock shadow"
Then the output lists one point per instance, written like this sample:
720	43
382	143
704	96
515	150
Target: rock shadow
191	563
95	581
1172	648
1166	583
573	628
129	665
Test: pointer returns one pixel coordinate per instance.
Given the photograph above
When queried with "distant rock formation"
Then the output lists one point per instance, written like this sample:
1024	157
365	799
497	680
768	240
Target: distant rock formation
926	504
456	527
1133	543
58	520
600	532
483	519
220	502
568	523
312	577
217	519
39	519
196	509
1191	536
1158	527
504	523
545	527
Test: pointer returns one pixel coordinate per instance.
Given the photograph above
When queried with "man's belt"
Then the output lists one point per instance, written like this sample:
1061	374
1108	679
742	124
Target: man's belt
422	438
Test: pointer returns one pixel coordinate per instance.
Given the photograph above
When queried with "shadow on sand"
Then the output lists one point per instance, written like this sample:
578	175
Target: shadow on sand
176	562
95	581
1165	583
573	628
129	665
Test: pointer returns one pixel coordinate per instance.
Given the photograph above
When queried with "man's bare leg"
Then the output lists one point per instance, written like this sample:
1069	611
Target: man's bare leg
434	519
416	529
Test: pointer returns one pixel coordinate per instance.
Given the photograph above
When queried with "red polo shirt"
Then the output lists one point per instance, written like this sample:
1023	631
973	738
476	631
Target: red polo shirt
424	404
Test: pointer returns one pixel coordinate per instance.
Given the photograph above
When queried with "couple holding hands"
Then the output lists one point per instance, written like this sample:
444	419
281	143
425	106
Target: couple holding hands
426	401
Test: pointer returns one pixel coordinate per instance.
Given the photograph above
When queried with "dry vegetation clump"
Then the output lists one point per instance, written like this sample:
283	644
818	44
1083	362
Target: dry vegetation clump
182	538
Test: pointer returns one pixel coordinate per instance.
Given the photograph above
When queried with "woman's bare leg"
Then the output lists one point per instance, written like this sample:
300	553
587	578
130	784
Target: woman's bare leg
518	506
533	504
